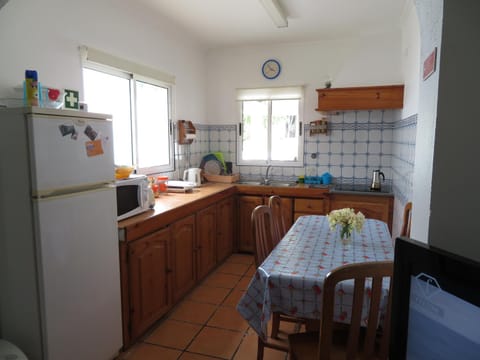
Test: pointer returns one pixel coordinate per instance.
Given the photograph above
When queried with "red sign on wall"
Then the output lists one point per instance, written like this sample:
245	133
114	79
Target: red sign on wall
429	64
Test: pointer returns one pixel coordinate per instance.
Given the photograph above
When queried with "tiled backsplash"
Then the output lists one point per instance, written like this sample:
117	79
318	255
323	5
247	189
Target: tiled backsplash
357	143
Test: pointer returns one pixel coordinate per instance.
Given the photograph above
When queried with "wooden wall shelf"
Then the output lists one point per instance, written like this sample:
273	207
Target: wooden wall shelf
360	98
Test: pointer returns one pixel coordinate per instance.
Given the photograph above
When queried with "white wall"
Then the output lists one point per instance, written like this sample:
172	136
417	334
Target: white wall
45	35
373	59
410	59
455	201
430	14
405	135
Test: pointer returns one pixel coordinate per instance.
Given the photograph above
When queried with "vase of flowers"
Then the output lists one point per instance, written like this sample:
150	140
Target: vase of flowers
346	221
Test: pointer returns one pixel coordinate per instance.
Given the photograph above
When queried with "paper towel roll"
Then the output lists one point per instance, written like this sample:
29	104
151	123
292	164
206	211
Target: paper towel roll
190	136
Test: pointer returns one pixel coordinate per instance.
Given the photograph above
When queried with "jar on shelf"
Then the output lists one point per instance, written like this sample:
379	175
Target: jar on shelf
162	184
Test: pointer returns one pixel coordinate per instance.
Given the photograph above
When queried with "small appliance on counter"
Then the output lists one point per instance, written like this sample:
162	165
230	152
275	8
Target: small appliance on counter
134	196
376	185
179	186
193	175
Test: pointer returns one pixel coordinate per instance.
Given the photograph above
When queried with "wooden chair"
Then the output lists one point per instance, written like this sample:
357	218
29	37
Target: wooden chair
275	203
350	341
407	220
264	233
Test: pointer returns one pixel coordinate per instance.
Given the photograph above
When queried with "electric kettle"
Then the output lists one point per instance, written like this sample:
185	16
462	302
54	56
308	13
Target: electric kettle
376	186
193	175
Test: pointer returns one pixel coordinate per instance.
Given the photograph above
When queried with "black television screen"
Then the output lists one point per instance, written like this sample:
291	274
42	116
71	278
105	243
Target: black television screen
435	304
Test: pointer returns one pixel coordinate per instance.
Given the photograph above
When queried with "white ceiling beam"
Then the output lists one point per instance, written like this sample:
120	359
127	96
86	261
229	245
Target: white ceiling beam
275	11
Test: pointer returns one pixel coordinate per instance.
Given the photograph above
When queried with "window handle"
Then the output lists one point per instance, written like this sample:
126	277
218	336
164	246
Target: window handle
301	127
239	129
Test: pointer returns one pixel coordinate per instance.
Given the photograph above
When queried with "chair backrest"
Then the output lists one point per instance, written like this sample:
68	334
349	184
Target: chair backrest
407	220
275	203
263	232
359	272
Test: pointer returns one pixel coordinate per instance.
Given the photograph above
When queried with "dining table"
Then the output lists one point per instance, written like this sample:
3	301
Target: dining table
290	280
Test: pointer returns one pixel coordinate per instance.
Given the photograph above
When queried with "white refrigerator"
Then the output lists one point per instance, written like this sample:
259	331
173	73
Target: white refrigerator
59	258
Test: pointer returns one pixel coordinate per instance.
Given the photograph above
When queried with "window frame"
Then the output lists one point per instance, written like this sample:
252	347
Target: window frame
123	71
270	94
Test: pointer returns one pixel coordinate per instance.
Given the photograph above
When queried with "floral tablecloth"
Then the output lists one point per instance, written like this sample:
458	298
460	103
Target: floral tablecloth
291	279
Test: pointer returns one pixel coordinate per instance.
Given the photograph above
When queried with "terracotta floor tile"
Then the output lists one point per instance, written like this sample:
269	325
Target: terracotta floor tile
193	312
150	352
175	334
192	356
228	318
227	281
233	268
251	270
241	259
209	294
243	283
248	350
233	298
216	342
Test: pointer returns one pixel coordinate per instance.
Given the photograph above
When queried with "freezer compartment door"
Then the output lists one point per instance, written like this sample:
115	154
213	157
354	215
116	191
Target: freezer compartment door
77	241
69	152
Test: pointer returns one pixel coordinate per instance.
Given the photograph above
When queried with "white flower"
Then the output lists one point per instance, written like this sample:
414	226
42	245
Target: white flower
347	219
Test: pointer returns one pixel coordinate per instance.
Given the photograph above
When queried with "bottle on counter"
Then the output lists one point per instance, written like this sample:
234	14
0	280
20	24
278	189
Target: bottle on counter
31	88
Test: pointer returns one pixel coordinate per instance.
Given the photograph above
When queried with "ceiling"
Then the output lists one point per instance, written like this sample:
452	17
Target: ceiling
224	23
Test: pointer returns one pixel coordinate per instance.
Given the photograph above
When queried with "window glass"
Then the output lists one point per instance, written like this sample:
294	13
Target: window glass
270	130
285	132
152	124
255	130
112	97
141	116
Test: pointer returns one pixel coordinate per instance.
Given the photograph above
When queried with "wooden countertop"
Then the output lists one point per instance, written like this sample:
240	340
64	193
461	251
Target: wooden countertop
174	206
170	207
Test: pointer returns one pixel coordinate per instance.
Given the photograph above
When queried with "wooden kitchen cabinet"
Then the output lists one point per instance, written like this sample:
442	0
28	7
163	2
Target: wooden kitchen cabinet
150	271
162	257
225	228
246	204
360	98
206	244
374	207
183	248
317	206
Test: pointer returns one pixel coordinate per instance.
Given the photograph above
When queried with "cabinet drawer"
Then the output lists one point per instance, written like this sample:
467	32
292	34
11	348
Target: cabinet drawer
311	206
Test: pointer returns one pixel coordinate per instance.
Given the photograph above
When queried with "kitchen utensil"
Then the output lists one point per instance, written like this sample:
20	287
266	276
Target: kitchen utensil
193	175
376	185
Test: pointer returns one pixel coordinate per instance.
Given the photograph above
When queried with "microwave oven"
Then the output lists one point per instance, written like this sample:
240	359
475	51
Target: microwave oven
132	196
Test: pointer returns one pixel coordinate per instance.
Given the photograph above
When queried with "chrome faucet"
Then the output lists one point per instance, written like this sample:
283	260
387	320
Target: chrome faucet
266	180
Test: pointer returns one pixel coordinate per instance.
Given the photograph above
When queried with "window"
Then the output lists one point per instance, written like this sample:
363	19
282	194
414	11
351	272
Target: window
141	110
270	128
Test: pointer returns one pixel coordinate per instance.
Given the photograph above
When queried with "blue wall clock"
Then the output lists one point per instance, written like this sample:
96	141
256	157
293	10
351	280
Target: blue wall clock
271	69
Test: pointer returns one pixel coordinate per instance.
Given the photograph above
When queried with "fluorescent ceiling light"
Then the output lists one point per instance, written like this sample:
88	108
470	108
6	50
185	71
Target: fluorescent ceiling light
276	13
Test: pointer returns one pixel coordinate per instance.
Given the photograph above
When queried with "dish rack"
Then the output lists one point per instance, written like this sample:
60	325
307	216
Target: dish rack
222	178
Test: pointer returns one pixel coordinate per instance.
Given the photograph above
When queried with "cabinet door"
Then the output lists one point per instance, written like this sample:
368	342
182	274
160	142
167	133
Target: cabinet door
206	254
225	227
373	207
149	278
246	204
309	207
183	243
